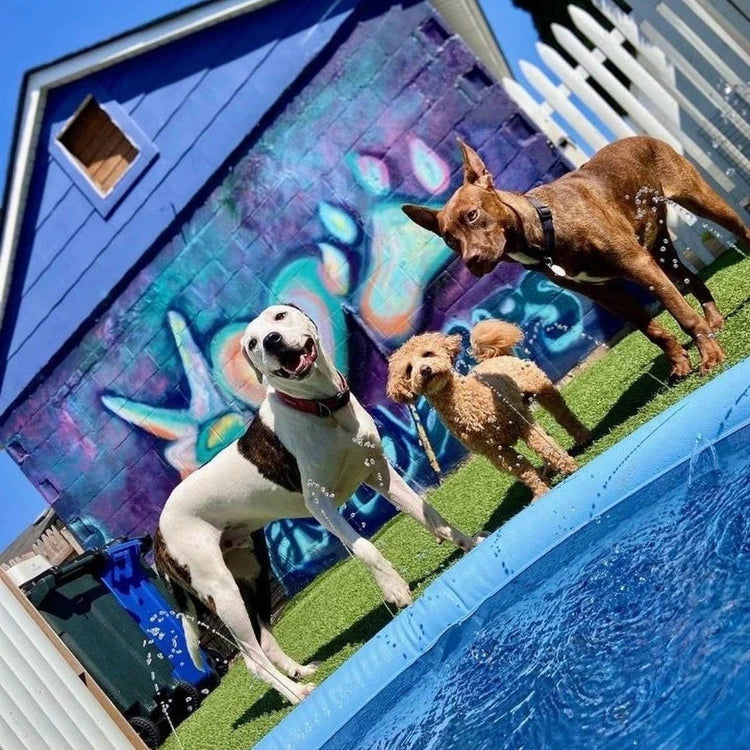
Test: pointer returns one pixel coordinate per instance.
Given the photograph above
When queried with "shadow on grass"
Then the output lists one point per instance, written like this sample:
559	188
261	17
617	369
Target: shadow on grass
729	258
516	499
642	390
269	703
649	383
646	387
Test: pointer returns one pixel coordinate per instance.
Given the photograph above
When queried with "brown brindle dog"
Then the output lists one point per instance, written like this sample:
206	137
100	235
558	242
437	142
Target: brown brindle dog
609	220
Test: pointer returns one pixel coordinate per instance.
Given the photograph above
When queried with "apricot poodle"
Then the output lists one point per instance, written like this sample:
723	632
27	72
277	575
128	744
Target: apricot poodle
488	409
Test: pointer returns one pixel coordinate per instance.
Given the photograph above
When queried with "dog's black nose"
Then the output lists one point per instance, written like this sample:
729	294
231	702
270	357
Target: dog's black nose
474	265
426	370
271	341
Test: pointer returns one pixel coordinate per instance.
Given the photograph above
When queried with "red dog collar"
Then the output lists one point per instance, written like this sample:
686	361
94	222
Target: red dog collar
320	407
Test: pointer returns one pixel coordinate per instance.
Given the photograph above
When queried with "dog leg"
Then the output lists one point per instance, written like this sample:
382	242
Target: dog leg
395	590
251	575
387	481
508	459
215	585
547	448
231	609
682	275
280	658
686	187
646	272
551	399
618	300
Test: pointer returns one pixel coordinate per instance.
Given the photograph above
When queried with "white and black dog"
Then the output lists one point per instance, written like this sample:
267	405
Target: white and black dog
310	446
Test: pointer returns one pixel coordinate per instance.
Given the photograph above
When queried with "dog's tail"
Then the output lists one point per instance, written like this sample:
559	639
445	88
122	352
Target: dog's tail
494	338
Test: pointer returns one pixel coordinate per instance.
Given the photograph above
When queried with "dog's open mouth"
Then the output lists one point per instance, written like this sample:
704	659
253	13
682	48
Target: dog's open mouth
432	383
297	363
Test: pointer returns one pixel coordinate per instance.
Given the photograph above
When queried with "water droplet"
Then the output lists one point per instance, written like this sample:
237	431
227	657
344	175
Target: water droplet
703	460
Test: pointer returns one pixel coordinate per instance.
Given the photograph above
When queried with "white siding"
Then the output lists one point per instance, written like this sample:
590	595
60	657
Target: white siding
43	703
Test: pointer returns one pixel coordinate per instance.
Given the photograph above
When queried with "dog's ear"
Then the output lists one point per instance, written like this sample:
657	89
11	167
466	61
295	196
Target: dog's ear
475	172
397	387
424	216
454	344
258	373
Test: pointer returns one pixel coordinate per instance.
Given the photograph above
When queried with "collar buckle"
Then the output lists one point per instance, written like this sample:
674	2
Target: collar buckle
324	410
544	212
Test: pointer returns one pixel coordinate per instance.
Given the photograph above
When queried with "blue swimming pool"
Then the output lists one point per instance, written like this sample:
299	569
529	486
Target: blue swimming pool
635	632
614	613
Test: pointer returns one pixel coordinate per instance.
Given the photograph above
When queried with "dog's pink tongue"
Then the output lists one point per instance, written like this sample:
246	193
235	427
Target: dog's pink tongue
305	360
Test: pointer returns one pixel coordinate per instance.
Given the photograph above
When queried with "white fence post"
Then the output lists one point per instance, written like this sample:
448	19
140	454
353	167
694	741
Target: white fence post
558	97
702	138
610	44
575	80
716	97
688	85
541	115
657	93
593	63
730	20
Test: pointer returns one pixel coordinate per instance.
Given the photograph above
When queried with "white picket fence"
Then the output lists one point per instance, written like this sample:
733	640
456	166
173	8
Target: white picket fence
688	84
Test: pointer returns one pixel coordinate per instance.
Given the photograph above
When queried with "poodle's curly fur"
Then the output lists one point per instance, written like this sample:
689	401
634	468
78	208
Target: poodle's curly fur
488	409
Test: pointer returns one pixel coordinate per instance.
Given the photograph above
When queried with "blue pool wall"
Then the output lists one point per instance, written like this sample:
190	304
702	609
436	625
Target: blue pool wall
714	411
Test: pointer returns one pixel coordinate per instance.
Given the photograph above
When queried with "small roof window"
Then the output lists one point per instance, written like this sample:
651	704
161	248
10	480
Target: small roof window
98	147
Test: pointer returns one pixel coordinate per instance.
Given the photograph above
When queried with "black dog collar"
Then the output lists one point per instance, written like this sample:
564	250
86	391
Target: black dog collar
545	217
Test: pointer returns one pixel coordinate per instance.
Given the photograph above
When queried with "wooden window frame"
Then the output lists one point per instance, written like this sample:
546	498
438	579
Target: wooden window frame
104	203
117	133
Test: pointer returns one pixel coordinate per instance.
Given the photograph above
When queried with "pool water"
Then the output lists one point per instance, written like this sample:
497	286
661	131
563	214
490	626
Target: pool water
633	632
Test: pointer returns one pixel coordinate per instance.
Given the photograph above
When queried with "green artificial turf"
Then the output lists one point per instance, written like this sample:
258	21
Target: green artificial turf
342	609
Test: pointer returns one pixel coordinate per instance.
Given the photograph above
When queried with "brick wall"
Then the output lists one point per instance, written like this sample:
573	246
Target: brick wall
311	214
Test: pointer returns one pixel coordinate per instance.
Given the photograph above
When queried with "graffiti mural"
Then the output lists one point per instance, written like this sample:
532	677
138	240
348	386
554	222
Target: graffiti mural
310	214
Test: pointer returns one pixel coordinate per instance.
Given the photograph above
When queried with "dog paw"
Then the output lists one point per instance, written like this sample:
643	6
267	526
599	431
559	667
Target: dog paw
711	355
396	590
480	536
680	367
463	542
716	322
583	438
305	690
301	671
568	465
449	534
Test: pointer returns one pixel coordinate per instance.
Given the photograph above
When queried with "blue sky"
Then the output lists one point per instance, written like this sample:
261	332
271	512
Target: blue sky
514	30
40	31
37	32
20	503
